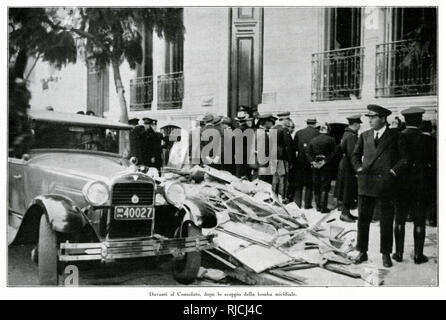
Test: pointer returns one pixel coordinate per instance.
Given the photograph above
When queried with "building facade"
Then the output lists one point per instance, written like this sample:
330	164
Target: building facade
322	62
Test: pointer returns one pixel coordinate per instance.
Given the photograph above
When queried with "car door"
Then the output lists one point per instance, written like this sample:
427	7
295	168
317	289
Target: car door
16	191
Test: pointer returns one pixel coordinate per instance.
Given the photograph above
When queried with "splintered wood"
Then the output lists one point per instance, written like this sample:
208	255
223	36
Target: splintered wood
264	241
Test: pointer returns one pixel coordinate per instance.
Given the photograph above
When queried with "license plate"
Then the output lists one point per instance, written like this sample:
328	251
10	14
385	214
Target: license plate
133	213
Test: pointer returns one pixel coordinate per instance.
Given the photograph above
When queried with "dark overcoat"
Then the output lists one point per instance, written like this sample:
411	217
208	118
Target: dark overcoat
375	178
346	189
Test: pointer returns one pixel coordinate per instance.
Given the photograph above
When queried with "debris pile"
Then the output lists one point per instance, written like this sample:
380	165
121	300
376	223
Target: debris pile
261	240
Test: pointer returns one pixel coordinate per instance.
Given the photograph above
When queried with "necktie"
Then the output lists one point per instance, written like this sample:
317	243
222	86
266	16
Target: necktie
376	139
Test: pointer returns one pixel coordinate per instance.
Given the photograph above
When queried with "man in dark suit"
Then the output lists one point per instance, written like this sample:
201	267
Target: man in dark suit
346	189
303	168
413	190
285	154
136	138
320	152
379	157
156	145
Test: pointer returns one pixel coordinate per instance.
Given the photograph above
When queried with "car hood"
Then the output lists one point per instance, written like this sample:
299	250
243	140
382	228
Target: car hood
88	166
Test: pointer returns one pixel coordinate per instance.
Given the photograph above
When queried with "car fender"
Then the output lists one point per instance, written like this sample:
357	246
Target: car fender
200	213
63	216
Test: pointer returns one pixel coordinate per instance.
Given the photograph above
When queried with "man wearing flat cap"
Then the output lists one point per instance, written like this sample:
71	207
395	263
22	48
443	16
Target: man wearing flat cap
303	169
378	158
346	190
414	189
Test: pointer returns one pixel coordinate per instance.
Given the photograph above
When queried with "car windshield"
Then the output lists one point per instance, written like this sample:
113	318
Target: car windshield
48	135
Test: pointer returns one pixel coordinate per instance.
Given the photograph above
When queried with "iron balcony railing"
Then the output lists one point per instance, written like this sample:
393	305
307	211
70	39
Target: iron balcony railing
141	93
170	90
401	72
337	74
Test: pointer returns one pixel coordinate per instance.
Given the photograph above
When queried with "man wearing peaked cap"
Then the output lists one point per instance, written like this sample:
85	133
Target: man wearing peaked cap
133	122
376	110
303	169
379	159
285	155
346	190
415	187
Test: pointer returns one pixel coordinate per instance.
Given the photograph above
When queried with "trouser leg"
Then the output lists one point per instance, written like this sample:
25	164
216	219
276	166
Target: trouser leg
298	195
386	225
308	189
365	214
401	213
419	216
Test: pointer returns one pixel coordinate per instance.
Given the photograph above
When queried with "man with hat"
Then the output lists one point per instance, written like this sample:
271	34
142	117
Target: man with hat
378	158
346	189
303	169
136	138
320	153
266	170
414	189
285	154
244	169
145	141
156	145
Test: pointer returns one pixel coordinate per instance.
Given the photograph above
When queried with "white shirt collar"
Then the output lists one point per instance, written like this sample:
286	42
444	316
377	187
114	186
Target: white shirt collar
380	132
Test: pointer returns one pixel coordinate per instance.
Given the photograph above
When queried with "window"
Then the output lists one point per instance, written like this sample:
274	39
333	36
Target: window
171	84
406	63
337	71
141	88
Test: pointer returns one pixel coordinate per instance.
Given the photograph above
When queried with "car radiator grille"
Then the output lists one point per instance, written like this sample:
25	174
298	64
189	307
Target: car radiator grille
122	193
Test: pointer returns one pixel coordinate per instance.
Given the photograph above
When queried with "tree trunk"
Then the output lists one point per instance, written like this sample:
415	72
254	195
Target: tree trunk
124	118
124	143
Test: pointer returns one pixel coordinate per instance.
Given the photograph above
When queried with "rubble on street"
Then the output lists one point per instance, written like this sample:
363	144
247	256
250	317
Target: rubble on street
260	240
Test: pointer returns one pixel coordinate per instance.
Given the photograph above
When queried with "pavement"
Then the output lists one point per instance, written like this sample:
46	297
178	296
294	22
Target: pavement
144	272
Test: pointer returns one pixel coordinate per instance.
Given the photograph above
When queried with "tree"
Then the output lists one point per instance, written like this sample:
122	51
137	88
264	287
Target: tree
30	36
114	35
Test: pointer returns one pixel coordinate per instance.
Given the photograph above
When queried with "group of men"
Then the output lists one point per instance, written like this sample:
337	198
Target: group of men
383	169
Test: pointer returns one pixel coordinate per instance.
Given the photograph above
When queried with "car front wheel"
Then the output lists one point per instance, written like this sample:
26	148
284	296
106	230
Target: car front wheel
185	268
47	254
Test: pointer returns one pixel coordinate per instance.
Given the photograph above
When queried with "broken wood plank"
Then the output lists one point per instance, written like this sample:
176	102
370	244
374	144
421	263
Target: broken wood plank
288	276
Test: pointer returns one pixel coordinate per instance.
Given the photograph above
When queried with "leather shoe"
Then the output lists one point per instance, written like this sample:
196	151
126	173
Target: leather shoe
387	262
347	217
398	257
361	257
420	259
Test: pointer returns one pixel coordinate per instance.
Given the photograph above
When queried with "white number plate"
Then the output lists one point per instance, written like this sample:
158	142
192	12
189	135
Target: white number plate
133	213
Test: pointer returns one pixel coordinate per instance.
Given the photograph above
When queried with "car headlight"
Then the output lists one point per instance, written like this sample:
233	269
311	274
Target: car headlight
174	193
96	193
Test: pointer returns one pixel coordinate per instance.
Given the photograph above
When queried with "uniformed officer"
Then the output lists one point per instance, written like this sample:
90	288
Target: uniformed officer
378	158
320	152
285	154
136	138
413	190
303	169
157	144
146	155
346	190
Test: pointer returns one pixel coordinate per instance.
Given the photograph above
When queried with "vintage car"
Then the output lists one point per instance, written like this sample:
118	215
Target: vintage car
77	198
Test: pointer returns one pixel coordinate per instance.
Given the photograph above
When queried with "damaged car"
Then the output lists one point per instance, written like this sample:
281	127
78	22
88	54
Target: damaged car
78	196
